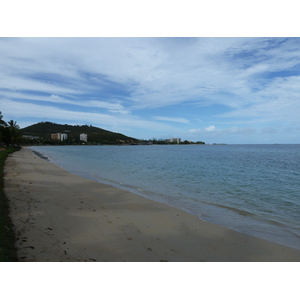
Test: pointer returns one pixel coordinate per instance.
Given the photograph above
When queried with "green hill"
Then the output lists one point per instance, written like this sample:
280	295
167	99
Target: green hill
95	135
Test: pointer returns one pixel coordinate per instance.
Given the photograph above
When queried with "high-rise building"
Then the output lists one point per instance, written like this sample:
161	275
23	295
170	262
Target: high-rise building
83	137
59	136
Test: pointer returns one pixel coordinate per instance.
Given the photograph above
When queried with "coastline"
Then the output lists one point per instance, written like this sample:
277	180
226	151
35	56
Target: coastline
59	216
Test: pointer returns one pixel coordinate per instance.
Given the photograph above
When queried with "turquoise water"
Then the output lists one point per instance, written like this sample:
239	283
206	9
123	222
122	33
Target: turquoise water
250	188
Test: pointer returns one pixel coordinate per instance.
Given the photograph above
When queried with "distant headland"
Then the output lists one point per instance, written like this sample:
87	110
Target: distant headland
48	133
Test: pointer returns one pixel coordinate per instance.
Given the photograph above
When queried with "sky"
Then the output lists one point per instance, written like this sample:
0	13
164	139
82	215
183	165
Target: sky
216	90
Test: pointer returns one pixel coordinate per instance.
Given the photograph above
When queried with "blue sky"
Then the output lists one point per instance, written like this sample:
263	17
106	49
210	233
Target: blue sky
216	90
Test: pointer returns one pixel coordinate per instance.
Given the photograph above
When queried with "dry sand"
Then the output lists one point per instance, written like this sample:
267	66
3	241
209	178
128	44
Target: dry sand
59	216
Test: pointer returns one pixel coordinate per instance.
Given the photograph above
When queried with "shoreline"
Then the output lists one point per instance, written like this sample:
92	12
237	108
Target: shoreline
59	216
238	218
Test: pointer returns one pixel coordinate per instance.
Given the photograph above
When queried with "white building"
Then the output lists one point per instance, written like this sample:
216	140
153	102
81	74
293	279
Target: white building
59	136
83	137
172	140
63	136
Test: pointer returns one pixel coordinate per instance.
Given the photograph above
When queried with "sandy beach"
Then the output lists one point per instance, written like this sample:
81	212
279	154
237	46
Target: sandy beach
59	216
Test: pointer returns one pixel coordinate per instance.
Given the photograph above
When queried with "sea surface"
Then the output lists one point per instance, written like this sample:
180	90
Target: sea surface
252	189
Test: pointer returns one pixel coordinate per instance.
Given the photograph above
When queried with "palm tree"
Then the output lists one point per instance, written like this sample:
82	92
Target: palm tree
13	132
2	122
3	125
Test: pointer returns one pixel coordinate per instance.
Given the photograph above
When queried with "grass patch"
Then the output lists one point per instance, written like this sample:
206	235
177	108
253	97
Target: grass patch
7	236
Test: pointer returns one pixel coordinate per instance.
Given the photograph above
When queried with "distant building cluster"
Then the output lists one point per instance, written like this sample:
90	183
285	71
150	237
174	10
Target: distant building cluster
64	136
59	136
32	137
172	140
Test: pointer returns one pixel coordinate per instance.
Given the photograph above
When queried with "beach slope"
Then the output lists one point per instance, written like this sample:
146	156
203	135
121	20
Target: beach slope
59	216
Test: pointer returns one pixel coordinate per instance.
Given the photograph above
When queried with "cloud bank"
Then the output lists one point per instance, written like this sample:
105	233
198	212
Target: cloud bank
163	85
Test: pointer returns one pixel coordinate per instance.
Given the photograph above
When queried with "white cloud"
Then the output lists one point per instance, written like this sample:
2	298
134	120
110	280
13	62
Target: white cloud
167	68
17	83
196	130
178	120
210	128
223	131
156	72
236	130
126	76
38	112
114	106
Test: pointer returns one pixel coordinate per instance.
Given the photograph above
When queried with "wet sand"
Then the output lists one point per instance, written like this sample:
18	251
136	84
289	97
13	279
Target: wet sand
59	216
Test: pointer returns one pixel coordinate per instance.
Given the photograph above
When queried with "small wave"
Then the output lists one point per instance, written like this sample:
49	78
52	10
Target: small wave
40	155
237	210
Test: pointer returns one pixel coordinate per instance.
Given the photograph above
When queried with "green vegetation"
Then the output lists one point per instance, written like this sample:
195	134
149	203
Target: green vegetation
41	134
10	133
7	236
167	142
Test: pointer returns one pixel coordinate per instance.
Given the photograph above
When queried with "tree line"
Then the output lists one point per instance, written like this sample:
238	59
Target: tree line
10	133
155	141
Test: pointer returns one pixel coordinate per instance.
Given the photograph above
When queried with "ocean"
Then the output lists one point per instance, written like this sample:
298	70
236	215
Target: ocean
252	189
